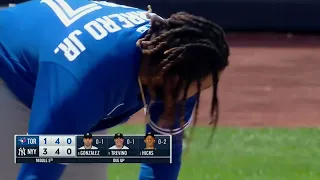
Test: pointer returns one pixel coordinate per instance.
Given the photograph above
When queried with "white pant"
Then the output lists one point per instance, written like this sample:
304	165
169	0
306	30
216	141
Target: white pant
14	118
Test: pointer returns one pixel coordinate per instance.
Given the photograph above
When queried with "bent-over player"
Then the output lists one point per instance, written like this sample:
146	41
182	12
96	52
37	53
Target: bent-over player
80	66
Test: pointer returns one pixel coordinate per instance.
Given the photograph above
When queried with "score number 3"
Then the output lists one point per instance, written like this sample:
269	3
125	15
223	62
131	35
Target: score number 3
66	14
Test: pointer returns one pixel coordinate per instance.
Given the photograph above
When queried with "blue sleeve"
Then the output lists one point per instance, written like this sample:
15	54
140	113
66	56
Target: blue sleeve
166	171
62	105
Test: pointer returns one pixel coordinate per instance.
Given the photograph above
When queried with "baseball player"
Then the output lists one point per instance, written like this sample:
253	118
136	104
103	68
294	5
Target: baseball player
87	142
118	140
77	66
150	139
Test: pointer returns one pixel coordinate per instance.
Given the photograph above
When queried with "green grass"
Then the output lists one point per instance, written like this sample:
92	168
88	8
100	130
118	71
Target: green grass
241	154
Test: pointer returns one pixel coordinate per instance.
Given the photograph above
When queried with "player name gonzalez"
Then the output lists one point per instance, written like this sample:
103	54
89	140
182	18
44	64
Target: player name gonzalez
88	153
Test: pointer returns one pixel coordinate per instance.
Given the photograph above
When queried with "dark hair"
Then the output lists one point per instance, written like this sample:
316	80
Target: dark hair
189	47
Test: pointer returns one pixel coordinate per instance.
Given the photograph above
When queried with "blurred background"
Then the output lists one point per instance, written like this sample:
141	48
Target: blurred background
240	15
269	95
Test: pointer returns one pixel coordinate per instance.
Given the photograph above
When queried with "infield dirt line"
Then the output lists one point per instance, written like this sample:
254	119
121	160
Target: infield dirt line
273	80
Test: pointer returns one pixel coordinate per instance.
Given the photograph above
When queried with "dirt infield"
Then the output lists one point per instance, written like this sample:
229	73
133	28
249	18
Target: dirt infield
272	80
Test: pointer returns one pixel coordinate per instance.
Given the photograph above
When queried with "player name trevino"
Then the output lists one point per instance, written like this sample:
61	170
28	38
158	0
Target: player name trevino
89	153
147	153
119	153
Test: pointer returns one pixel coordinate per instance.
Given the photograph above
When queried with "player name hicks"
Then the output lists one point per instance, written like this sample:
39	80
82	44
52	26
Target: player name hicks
89	153
147	153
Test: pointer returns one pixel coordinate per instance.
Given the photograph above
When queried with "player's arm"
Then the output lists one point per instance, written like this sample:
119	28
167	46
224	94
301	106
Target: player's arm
167	171
62	105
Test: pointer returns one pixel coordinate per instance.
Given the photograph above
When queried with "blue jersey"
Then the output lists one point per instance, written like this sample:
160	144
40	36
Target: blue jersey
75	64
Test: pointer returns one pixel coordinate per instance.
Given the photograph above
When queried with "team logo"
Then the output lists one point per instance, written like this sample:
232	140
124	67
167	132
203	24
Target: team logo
22	152
23	140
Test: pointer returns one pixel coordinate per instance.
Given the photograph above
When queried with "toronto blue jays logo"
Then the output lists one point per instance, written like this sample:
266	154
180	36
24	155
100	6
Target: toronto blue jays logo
23	140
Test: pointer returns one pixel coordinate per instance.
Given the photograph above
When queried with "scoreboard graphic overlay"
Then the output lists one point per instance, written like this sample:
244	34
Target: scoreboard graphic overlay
69	149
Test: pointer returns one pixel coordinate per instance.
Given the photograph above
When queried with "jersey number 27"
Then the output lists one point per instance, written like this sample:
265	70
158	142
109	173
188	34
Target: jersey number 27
68	15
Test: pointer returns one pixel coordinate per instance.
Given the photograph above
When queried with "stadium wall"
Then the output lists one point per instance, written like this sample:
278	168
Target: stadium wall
242	15
245	15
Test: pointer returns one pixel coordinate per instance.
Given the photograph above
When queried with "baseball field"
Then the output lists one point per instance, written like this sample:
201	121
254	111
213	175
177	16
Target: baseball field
270	114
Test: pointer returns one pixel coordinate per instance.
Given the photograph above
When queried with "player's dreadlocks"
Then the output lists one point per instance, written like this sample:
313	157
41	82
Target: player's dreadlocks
188	47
